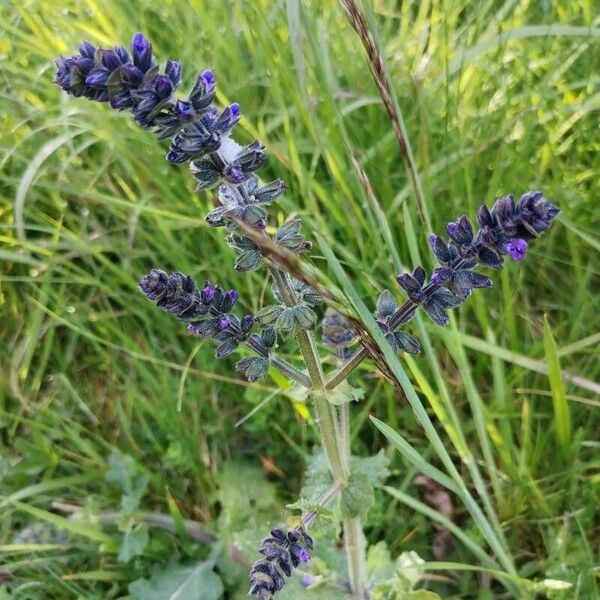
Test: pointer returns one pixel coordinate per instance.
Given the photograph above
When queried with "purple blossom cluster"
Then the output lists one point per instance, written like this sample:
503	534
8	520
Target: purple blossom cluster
207	310
283	551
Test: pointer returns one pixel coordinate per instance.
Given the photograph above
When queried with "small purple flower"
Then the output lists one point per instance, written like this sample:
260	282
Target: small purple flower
235	111
97	78
224	323
516	248
163	87
142	52
208	293
303	555
437	278
233	295
184	110
208	77
111	60
247	322
452	229
235	174
87	50
173	71
308	580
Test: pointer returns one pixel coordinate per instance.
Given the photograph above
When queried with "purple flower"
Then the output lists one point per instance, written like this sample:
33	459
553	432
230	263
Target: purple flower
208	77
142	52
303	555
516	248
173	71
208	293
184	110
223	323
235	111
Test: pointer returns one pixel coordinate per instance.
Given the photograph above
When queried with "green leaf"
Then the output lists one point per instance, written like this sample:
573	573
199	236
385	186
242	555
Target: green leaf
245	496
269	314
344	393
134	542
179	582
357	497
380	566
285	320
562	415
304	316
248	261
400	586
317	477
121	469
128	477
374	467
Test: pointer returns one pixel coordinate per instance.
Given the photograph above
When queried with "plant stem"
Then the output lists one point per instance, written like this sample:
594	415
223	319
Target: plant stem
328	496
354	542
326	415
336	440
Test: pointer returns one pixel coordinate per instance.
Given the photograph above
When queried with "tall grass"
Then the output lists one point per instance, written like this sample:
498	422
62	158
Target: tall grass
495	97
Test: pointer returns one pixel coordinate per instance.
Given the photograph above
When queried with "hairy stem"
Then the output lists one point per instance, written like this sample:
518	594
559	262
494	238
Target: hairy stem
328	496
336	441
289	371
326	415
354	543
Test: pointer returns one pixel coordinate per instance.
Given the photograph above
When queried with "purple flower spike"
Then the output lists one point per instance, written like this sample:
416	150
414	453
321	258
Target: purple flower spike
516	248
208	293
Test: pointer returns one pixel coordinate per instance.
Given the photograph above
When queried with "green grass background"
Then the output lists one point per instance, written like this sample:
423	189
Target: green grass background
497	97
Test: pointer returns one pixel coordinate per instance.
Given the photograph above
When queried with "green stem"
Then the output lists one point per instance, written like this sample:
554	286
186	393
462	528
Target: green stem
289	371
326	415
354	544
336	439
354	541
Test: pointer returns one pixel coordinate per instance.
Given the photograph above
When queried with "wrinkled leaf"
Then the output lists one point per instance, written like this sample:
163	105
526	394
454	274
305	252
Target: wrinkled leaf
179	582
134	542
357	497
344	394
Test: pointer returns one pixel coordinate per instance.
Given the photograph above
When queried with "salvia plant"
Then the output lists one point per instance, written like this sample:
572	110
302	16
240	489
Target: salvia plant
200	134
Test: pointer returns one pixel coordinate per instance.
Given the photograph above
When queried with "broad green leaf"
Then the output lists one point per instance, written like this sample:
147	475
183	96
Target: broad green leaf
179	582
357	497
134	542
